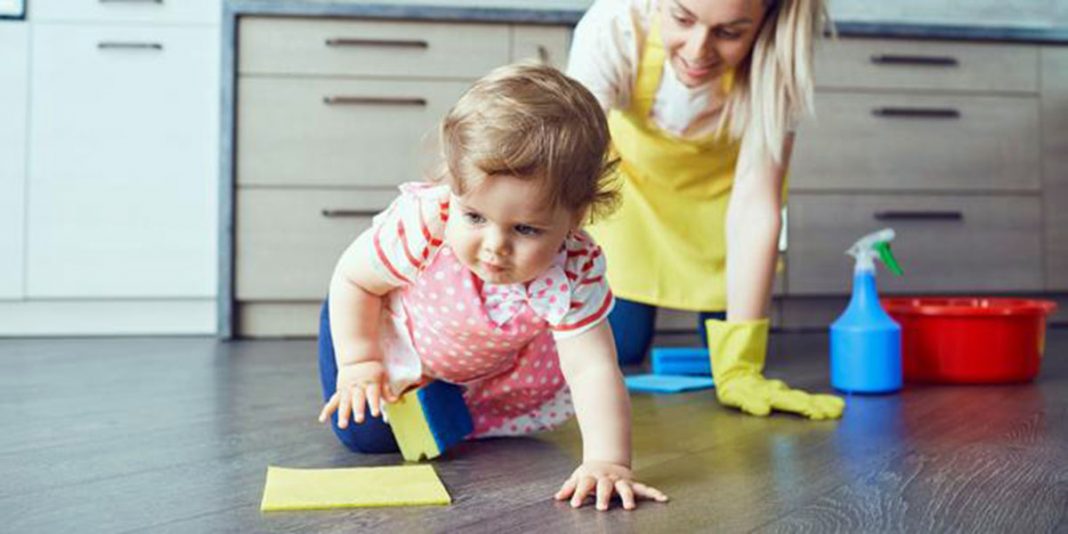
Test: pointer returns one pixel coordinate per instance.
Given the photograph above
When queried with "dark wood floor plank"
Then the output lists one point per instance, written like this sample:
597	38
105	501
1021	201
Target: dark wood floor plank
174	435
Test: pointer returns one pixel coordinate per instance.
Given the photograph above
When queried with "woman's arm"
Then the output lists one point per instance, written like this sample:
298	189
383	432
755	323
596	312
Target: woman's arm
738	346
754	221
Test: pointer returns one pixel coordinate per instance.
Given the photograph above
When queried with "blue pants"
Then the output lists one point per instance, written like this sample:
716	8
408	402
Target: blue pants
632	326
371	436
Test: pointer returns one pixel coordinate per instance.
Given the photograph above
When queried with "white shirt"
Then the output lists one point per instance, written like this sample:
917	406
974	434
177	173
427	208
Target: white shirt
605	55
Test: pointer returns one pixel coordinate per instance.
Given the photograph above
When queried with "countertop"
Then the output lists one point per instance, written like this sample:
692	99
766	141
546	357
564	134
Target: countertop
570	11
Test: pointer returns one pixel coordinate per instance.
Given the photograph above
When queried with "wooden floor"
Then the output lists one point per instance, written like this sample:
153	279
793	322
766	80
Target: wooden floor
175	435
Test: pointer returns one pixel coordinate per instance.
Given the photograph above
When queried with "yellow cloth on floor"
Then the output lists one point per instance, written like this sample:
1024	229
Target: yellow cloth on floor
311	489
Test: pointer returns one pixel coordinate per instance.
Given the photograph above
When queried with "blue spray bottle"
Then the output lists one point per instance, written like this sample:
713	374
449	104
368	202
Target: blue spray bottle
865	341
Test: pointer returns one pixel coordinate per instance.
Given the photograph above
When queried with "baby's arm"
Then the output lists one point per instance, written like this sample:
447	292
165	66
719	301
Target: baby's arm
356	294
602	406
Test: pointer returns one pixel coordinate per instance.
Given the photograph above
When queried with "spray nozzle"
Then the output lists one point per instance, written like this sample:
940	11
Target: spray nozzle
887	255
875	244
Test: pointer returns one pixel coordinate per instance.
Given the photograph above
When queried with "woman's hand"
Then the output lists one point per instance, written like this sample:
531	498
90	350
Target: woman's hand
601	480
359	383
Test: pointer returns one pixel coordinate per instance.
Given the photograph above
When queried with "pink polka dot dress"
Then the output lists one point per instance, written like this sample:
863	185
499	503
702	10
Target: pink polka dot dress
498	341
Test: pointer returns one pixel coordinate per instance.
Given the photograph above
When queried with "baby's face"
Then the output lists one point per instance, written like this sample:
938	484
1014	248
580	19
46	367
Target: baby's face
503	232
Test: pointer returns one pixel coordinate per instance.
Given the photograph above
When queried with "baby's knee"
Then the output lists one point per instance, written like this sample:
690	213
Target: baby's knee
370	437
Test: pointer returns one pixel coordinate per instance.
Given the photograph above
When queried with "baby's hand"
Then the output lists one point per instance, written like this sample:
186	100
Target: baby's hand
606	478
357	384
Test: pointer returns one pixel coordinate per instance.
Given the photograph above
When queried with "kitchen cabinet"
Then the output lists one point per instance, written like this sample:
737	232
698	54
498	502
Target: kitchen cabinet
109	168
122	163
959	146
333	114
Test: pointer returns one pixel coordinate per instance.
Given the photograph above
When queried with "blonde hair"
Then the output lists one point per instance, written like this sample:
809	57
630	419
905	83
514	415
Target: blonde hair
772	88
531	121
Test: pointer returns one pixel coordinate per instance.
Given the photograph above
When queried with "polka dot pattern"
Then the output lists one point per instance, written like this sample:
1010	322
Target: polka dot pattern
511	371
496	340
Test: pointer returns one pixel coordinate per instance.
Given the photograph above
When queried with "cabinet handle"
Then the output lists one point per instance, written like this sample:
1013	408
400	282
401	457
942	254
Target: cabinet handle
922	61
919	113
544	56
112	45
372	101
334	214
388	43
891	215
131	1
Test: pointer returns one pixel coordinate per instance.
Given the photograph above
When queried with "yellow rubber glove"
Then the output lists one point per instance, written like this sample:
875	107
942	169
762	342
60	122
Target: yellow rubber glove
737	350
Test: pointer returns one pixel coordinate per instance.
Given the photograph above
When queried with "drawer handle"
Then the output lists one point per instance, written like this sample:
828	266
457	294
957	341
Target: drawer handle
387	43
923	61
131	1
543	55
919	216
113	45
334	214
920	113
372	100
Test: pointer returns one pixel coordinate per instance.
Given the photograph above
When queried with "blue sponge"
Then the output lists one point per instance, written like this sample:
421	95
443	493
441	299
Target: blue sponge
667	383
429	420
681	361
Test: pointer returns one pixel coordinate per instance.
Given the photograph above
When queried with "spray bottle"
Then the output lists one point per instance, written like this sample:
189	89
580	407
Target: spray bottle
865	341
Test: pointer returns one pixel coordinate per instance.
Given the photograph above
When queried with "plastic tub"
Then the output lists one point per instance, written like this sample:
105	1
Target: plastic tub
970	340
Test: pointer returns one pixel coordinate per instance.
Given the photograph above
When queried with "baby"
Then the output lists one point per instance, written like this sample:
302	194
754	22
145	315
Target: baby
484	278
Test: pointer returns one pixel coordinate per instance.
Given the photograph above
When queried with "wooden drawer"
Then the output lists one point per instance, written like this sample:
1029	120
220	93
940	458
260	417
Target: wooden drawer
287	245
289	133
926	65
279	319
896	142
139	11
944	243
1055	164
370	48
549	44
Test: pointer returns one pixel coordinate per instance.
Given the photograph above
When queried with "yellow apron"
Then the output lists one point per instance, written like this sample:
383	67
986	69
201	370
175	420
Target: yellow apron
666	245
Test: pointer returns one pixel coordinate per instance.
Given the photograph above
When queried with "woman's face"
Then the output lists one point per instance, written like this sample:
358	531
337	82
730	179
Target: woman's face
705	38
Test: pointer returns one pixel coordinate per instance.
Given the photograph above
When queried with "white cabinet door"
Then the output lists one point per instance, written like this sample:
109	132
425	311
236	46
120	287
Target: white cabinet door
123	167
13	82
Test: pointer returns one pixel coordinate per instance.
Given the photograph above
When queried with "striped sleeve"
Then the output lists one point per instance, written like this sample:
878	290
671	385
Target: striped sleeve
591	298
407	235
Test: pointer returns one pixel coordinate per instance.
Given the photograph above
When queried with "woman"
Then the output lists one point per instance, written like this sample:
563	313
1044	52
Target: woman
702	97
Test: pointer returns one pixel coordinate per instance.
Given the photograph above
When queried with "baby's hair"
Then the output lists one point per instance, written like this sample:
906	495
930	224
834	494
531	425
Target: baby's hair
530	121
